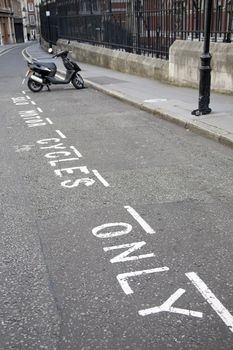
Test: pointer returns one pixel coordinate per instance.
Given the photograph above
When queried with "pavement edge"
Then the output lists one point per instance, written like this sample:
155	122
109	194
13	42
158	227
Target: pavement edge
198	127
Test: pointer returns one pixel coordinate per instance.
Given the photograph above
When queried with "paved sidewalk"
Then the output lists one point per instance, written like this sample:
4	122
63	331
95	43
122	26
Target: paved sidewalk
166	101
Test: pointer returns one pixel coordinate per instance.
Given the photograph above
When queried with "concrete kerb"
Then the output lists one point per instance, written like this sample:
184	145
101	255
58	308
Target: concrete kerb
214	133
226	141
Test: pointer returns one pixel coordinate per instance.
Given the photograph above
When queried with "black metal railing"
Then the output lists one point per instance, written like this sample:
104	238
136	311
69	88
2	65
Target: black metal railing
146	27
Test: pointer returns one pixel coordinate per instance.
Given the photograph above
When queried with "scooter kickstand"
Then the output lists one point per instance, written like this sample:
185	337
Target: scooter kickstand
48	87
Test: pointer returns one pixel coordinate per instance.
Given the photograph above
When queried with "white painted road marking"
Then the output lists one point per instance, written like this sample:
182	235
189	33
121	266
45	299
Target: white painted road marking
32	118
48	119
54	162
61	134
20	100
100	178
85	180
83	169
46	141
167	307
122	277
6	51
33	103
60	156
154	100
216	305
40	110
126	230
139	219
76	151
23	148
124	256
56	146
56	154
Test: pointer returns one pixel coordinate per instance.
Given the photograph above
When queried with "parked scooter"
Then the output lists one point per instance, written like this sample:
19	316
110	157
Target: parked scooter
43	73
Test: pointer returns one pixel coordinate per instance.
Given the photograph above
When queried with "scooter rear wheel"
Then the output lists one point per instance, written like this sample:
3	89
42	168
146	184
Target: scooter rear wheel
34	85
77	81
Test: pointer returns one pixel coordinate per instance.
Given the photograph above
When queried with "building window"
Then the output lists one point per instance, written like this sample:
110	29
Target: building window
30	7
32	20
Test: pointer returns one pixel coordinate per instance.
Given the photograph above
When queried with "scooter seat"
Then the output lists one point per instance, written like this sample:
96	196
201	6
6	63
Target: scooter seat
49	65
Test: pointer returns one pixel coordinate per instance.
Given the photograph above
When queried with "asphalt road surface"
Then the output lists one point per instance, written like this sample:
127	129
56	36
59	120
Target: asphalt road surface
116	226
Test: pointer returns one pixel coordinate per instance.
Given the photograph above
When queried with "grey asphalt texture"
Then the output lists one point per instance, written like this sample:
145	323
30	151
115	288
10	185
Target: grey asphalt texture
58	287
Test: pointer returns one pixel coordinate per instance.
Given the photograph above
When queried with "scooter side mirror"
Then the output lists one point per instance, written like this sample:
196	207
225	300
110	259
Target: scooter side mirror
50	50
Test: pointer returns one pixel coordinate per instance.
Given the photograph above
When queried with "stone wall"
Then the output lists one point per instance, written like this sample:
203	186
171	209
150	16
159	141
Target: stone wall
181	69
184	59
118	60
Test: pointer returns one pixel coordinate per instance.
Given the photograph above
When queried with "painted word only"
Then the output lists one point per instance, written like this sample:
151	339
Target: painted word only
116	229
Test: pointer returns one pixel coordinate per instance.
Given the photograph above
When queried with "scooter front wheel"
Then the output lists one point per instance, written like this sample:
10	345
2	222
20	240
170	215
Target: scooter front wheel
77	81
34	85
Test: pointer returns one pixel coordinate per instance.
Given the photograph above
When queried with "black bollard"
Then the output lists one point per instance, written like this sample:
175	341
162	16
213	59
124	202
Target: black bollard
205	69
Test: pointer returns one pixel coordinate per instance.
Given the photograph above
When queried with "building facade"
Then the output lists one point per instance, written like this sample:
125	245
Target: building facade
11	22
19	21
30	19
7	34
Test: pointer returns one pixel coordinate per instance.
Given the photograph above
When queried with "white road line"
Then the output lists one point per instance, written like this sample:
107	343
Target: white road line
33	103
132	247
28	97
97	174
61	134
4	52
22	84
23	53
40	110
122	277
76	151
49	120
54	162
24	92
216	305
139	219
167	307
154	100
